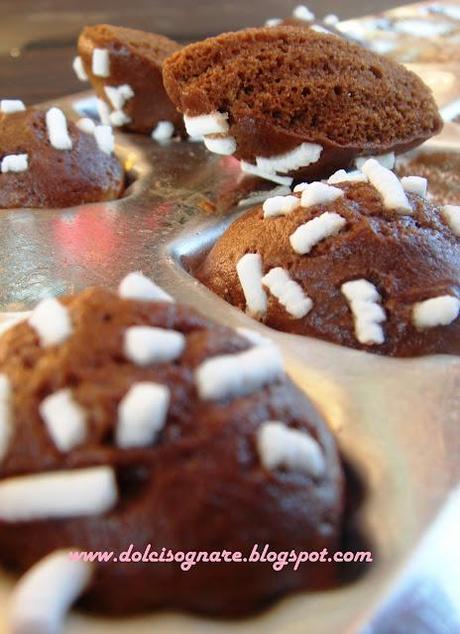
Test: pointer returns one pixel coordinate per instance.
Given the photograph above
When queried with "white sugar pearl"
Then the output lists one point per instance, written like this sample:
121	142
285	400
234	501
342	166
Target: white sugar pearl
331	19
320	194
163	131
44	595
341	176
388	186
220	145
58	494
51	321
104	138
119	95
145	345
280	206
86	125
451	214
142	414
249	271
212	123
139	287
436	311
364	300
288	292
14	163
58	134
314	231
64	418
9	106
233	375
118	118
301	12
101	62
280	446
5	415
79	69
415	185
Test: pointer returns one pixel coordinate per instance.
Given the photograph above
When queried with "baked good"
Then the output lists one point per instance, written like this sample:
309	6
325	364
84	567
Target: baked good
288	100
365	261
124	68
182	435
47	161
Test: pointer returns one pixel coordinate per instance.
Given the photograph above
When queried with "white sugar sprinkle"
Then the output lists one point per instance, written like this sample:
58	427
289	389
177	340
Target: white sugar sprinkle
387	160
104	138
301	12
319	194
280	206
331	19
249	270
368	314
234	375
139	287
119	95
415	185
249	168
9	106
273	22
314	231
14	163
58	494
144	345
341	176
288	292
103	111
451	214
301	156
163	131
86	125
436	311
220	145
388	186
212	123
58	134
44	595
64	418
5	414
79	69
142	414
101	62
118	118
280	446
51	321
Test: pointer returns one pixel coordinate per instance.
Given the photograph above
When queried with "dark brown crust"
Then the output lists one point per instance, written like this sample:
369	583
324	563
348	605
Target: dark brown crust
55	178
283	86
136	59
201	487
408	259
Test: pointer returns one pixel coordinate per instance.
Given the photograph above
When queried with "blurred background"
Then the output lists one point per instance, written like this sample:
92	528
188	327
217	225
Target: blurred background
37	37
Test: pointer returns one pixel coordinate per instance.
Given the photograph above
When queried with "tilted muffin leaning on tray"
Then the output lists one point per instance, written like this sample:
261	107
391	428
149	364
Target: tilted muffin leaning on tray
128	419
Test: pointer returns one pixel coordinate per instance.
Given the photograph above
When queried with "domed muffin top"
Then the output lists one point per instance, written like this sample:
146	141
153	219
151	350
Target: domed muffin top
47	161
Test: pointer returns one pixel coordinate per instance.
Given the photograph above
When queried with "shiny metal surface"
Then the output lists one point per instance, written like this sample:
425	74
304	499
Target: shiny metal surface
396	421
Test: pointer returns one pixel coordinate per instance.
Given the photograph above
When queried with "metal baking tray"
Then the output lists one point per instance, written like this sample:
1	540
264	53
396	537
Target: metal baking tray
396	421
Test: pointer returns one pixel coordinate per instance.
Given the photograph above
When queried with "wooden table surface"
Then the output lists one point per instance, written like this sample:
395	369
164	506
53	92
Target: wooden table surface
37	37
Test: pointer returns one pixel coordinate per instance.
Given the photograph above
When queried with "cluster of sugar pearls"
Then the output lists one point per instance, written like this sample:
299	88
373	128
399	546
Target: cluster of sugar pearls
388	185
100	62
288	292
103	134
368	314
118	96
213	128
315	231
14	163
51	321
58	133
163	131
250	274
271	167
451	214
10	106
280	446
65	419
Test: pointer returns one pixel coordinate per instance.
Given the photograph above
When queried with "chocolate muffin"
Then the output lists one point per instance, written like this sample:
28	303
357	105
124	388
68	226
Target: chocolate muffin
47	161
129	420
124	67
365	261
288	100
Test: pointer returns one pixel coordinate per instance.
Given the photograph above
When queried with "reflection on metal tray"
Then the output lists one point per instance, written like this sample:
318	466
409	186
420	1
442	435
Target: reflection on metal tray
396	421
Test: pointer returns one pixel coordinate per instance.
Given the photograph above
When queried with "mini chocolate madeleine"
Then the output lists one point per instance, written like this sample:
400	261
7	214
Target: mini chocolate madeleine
365	261
125	68
292	101
129	419
47	161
